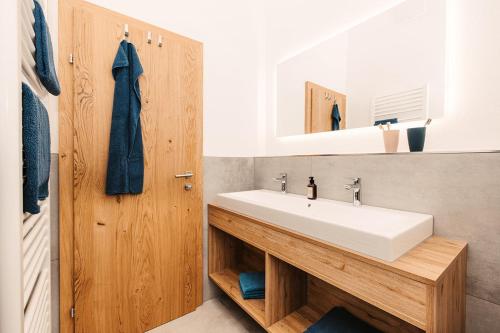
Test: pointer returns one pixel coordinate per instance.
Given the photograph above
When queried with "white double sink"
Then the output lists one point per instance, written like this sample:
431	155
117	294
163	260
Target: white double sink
382	233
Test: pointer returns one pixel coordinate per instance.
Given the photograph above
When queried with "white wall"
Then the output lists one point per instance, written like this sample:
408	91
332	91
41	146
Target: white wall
293	26
232	38
400	50
11	305
325	64
241	53
472	109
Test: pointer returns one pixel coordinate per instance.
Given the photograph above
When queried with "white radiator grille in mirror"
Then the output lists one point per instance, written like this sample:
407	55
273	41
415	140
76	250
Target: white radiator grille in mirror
405	106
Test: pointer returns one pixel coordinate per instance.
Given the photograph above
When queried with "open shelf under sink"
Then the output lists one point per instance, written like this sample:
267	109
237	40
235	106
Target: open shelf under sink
306	279
228	281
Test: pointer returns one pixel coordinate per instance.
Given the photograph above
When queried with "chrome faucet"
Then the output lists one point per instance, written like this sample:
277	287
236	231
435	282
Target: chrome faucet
282	178
356	191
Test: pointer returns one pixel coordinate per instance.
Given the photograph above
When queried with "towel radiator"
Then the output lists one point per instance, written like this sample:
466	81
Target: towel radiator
406	105
35	228
28	47
36	270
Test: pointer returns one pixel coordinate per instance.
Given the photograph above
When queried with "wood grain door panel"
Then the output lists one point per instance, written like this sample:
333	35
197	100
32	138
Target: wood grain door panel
137	258
319	106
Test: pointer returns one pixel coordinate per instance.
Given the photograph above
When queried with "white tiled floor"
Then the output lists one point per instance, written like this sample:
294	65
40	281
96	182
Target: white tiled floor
220	315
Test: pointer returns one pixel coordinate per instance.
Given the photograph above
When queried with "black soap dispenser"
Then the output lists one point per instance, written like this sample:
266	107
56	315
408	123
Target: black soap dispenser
312	189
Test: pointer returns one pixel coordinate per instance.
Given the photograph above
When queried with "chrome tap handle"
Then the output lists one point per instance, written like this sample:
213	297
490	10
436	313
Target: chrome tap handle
283	179
355	180
356	191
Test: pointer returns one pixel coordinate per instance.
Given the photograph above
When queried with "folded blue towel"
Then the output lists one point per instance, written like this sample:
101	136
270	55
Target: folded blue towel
260	296
126	158
385	121
252	284
44	57
339	320
253	295
256	292
36	151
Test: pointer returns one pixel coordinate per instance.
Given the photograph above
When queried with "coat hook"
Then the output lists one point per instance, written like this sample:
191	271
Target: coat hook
160	41
125	30
149	37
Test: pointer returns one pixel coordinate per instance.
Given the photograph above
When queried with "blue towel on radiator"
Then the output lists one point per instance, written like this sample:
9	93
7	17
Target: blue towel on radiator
252	285
44	57
339	320
126	157
36	151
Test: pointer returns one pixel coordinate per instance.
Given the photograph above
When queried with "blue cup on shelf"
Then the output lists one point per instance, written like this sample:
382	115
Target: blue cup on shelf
416	138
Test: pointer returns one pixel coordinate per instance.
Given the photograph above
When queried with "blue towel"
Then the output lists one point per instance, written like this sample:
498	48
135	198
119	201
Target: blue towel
336	117
252	285
259	294
44	57
126	158
339	320
385	121
256	295
36	151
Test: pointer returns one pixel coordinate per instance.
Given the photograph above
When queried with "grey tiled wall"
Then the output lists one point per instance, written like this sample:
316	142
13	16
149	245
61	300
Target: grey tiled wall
222	174
461	191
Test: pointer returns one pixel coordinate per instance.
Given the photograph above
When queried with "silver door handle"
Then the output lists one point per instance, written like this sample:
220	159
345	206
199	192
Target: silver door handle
187	174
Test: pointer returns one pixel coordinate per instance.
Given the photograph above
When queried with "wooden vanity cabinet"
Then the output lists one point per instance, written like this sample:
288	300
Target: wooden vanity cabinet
422	291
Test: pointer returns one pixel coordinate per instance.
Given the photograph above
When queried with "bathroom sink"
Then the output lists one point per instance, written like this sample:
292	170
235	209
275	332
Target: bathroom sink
378	232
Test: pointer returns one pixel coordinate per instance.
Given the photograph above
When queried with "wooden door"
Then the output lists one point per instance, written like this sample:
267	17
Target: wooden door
137	258
319	106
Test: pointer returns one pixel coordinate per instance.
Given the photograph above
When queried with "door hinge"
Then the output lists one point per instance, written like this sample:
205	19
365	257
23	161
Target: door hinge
71	59
72	312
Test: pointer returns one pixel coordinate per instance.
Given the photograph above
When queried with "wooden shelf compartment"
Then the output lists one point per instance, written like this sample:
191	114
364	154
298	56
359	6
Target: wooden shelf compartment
286	298
294	299
228	257
297	300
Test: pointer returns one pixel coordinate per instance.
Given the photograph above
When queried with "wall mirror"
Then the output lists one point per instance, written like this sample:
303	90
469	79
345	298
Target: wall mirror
388	68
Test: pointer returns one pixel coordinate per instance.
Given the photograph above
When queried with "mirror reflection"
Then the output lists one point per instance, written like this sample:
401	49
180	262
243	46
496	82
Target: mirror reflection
389	68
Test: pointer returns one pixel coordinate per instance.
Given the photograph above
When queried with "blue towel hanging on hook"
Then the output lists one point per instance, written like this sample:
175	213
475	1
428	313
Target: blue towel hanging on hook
336	119
125	172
